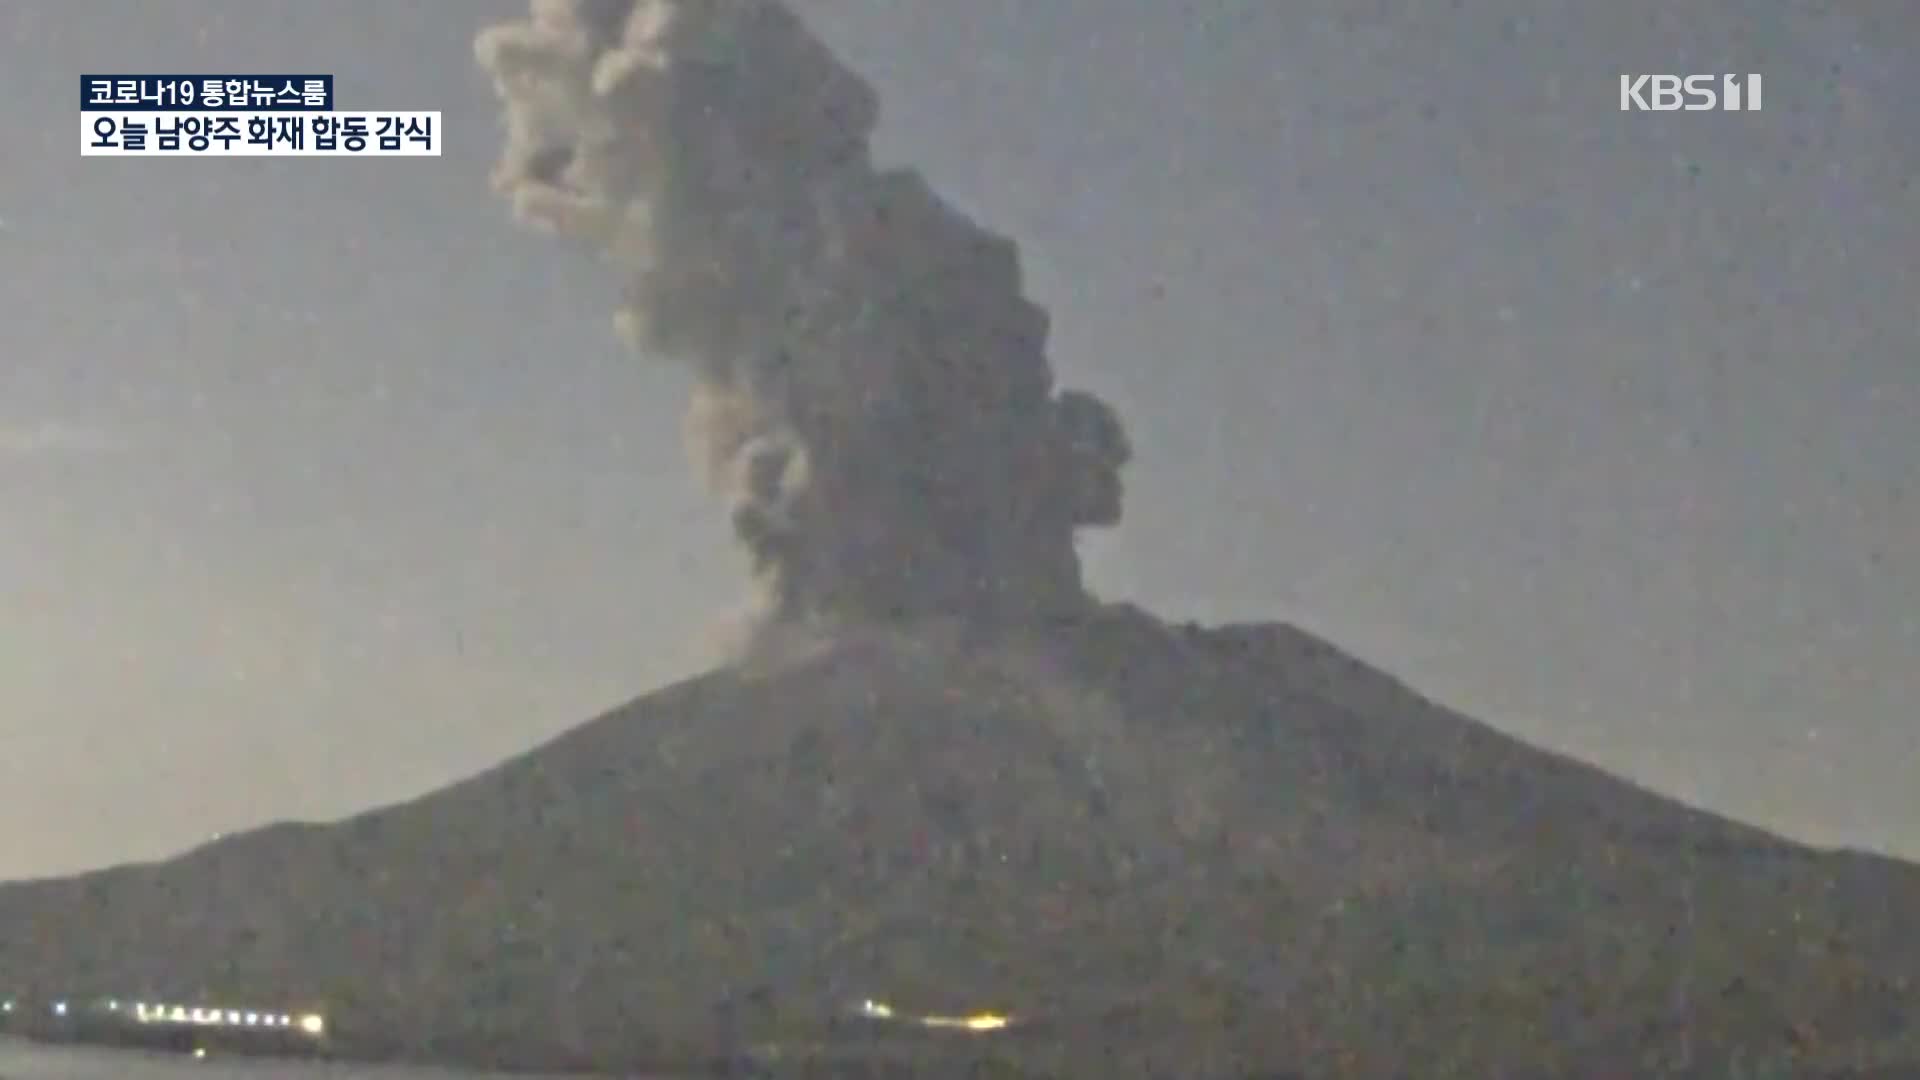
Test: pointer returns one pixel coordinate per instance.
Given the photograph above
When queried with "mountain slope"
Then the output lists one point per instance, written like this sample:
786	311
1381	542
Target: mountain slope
1228	849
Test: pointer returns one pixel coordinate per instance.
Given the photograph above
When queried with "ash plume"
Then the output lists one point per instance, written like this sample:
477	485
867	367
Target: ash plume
874	397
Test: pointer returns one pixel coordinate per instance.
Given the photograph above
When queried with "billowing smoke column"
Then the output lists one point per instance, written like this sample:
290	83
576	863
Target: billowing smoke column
874	395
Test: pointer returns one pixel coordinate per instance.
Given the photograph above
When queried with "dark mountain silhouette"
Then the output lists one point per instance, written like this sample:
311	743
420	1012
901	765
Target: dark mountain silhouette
1222	852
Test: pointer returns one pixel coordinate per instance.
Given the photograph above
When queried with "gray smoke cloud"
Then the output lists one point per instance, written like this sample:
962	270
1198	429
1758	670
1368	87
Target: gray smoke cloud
874	396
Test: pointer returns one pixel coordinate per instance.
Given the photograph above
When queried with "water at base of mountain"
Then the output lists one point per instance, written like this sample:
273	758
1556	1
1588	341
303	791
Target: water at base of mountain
21	1060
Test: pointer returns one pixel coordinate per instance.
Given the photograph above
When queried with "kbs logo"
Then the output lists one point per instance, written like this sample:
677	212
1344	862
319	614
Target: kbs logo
1694	93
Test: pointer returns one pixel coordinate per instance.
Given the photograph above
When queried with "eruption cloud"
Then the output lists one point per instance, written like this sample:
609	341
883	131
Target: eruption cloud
873	396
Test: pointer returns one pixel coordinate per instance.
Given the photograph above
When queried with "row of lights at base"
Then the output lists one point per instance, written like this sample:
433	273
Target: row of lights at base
309	1023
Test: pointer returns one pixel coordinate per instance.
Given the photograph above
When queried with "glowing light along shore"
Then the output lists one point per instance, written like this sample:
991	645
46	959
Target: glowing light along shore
309	1023
169	1014
983	1021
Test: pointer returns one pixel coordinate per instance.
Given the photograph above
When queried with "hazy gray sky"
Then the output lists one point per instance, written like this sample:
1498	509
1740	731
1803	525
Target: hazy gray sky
324	484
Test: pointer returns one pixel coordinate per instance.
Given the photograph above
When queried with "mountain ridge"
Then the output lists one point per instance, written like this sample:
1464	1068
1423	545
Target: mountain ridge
1236	847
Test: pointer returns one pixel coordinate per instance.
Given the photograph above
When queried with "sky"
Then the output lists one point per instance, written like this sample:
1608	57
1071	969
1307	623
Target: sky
322	484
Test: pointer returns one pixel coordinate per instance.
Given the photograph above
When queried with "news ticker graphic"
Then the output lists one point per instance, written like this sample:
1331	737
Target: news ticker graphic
241	116
258	134
206	93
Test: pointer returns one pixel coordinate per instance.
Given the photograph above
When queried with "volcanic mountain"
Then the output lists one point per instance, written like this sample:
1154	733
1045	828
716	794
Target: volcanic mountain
1150	850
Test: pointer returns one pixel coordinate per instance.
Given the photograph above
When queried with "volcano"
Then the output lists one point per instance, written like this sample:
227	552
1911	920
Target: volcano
1103	846
949	814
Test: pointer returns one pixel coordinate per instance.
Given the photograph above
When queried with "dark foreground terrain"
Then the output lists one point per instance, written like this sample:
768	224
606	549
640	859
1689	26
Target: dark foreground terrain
1207	852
